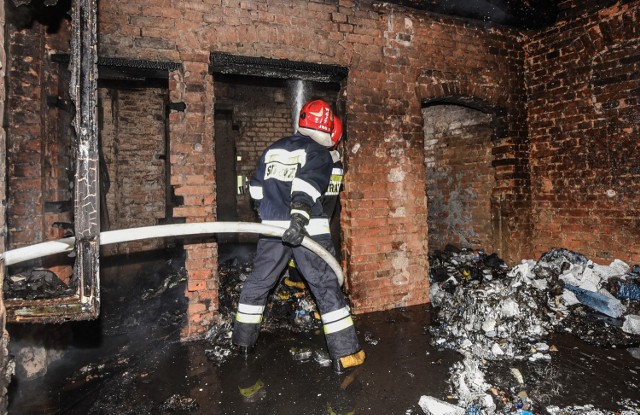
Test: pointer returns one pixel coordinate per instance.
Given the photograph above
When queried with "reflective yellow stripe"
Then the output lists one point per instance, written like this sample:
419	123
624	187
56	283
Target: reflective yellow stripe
250	309
338	325
335	315
248	313
248	318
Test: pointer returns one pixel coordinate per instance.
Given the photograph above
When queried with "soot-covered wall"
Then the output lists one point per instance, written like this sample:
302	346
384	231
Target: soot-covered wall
583	85
397	59
132	139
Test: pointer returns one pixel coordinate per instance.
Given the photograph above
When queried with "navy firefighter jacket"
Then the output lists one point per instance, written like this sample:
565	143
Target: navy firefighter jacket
293	169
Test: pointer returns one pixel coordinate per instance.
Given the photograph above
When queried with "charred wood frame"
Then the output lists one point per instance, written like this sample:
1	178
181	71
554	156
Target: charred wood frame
85	304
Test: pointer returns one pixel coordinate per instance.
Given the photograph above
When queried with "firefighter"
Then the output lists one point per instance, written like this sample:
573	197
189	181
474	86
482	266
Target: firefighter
291	179
330	206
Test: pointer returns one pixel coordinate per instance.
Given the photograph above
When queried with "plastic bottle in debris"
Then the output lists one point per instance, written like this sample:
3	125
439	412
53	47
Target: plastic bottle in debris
609	306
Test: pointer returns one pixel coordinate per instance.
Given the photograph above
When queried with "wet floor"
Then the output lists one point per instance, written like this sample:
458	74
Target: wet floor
177	377
131	361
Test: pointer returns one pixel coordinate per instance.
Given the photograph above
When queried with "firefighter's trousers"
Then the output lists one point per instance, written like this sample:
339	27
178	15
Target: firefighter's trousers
271	258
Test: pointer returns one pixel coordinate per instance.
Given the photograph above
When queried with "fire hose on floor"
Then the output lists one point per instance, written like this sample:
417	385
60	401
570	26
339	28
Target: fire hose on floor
16	256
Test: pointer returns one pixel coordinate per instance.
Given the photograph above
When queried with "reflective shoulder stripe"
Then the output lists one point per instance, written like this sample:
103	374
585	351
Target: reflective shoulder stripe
300	185
335	315
283	156
256	192
338	325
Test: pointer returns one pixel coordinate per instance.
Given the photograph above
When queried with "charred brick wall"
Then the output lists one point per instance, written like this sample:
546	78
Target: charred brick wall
397	59
584	115
38	138
24	144
490	54
133	144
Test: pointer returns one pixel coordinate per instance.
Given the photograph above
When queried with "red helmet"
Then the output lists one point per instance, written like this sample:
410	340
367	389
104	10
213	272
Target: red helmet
317	115
336	134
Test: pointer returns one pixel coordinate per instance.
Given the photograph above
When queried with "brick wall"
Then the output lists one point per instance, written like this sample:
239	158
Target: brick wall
39	140
388	50
24	144
460	177
191	160
132	134
584	115
567	178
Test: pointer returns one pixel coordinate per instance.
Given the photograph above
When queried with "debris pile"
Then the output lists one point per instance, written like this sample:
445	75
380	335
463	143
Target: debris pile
36	284
490	313
498	313
486	310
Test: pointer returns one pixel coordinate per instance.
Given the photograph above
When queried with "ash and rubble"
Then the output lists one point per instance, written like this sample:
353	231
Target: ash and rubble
500	318
36	284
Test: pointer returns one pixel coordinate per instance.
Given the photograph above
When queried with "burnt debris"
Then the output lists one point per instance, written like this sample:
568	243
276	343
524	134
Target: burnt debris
36	284
500	318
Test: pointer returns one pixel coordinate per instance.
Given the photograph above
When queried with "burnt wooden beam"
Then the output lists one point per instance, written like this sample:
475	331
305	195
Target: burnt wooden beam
127	69
84	93
228	64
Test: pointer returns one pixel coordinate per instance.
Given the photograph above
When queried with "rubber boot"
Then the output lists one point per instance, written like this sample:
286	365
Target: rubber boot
352	360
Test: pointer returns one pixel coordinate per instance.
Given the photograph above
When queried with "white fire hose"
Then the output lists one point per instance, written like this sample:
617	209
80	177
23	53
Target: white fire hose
43	249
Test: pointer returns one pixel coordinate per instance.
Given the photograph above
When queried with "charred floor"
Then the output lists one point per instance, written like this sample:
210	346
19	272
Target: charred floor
421	359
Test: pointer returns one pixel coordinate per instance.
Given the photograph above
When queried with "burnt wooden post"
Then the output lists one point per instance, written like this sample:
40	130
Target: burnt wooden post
83	90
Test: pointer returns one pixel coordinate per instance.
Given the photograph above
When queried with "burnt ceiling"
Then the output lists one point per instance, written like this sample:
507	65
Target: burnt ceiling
522	14
22	14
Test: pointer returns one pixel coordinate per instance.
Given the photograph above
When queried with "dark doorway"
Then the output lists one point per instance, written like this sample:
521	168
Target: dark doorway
228	183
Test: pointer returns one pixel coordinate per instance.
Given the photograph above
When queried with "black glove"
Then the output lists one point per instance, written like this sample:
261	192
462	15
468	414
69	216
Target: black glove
296	233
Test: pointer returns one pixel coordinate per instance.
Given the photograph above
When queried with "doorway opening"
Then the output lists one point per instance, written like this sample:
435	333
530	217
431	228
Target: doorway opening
460	177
